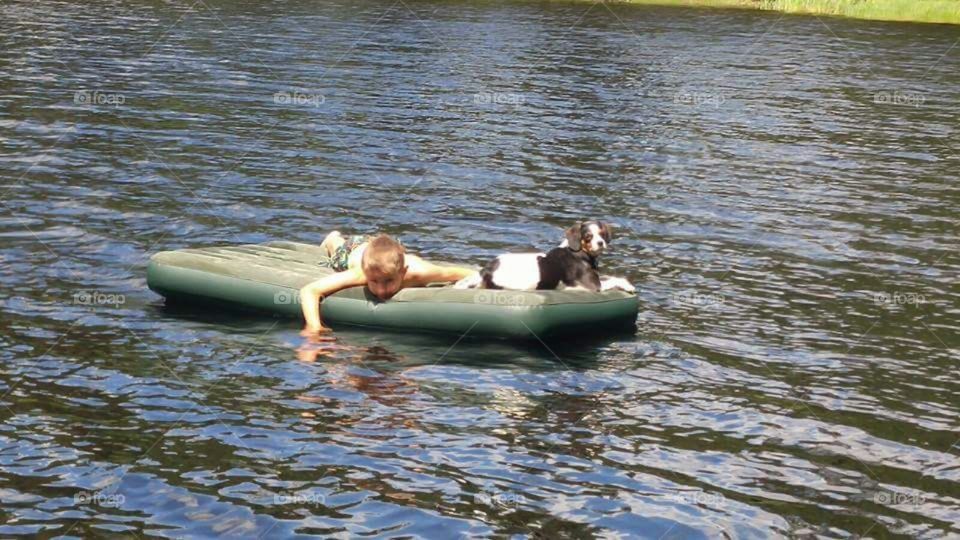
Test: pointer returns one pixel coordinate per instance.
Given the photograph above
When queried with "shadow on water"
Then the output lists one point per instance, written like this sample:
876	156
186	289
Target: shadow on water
385	348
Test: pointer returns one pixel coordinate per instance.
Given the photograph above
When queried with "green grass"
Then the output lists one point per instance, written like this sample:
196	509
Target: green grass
930	11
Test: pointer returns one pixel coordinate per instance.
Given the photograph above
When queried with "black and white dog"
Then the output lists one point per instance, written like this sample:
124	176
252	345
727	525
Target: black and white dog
571	265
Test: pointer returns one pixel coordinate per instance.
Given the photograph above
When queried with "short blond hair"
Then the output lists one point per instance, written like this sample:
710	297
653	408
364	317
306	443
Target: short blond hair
383	255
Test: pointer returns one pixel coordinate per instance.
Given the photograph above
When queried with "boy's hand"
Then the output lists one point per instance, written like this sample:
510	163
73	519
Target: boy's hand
311	331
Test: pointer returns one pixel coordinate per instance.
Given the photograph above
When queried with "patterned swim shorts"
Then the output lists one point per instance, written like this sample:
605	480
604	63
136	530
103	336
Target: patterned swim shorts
340	260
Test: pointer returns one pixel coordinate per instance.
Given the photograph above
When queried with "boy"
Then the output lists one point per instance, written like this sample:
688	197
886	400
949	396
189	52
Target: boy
380	263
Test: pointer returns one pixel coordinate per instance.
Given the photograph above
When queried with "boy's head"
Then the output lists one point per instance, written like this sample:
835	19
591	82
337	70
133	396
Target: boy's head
383	265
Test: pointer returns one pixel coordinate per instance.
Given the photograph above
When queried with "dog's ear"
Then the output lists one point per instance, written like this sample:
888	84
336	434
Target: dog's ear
573	236
606	231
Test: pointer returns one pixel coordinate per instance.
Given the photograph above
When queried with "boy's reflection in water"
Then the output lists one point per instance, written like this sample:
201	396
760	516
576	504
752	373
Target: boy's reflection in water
359	424
386	387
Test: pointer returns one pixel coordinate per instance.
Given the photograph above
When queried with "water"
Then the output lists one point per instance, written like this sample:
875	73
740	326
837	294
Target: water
784	191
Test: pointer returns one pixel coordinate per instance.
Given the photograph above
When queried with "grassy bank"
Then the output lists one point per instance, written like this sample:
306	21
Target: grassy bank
930	11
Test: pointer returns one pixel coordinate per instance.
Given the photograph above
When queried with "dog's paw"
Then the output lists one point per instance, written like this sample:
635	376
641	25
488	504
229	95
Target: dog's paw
618	283
469	282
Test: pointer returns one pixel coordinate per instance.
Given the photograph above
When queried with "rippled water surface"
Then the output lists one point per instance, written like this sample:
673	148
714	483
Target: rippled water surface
785	193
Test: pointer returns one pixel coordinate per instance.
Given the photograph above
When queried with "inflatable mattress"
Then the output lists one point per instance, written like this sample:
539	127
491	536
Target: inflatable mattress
268	277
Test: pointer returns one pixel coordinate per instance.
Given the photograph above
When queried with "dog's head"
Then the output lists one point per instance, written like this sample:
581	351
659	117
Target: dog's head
590	236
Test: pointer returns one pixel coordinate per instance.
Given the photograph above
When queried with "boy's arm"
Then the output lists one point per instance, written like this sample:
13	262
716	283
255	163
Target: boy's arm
432	273
312	294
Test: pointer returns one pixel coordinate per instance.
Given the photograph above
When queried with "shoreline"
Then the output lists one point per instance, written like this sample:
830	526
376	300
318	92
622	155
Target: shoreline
916	11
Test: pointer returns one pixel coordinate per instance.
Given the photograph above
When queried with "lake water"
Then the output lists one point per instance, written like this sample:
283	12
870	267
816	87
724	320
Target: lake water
785	196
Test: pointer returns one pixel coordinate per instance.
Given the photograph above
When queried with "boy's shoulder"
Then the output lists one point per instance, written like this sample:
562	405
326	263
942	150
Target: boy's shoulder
417	264
353	275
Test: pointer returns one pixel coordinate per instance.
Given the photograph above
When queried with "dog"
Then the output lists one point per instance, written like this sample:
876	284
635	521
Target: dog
571	265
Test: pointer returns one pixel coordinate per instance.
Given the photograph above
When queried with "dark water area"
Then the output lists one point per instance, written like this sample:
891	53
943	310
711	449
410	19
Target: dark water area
785	196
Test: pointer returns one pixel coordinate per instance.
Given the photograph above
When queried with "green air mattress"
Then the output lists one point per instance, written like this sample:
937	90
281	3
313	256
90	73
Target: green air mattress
268	277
